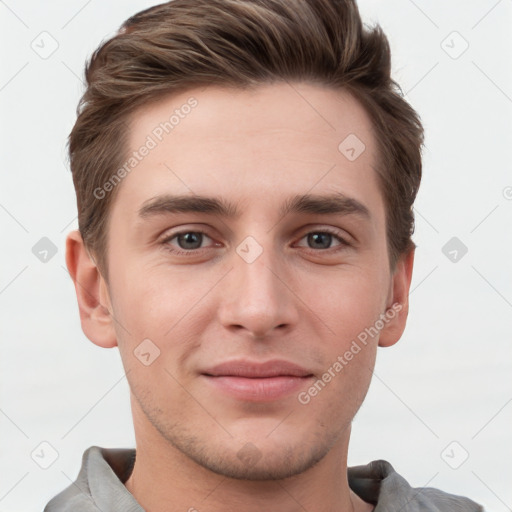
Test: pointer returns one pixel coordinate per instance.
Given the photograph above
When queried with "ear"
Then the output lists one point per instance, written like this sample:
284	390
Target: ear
91	292
398	301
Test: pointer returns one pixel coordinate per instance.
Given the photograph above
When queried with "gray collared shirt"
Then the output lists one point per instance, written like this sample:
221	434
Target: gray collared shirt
99	487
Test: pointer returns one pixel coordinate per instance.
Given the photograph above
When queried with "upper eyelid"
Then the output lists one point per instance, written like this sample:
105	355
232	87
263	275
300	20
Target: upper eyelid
342	239
170	236
170	233
308	228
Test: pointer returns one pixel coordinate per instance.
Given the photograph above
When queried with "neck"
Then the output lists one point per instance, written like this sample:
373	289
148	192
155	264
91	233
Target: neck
164	479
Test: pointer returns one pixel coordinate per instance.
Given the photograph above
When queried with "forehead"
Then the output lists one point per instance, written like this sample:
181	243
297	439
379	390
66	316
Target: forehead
261	145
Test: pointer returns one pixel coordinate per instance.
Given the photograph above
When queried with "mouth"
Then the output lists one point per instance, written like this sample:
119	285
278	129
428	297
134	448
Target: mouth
253	381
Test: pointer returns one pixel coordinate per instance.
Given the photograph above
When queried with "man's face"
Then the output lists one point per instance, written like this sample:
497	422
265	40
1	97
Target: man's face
257	287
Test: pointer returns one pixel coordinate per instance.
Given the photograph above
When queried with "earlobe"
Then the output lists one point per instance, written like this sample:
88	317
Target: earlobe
398	301
91	292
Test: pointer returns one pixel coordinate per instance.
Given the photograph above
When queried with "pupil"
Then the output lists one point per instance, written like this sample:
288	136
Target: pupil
317	237
190	238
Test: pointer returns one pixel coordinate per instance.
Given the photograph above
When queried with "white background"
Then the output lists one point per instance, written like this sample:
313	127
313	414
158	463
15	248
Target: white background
445	381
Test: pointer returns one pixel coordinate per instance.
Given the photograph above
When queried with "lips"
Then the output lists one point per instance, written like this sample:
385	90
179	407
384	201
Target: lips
256	382
254	370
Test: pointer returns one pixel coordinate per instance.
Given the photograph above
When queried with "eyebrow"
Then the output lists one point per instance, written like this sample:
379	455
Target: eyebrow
336	203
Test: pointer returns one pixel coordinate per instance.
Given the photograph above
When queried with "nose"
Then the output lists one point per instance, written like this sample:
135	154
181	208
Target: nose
257	297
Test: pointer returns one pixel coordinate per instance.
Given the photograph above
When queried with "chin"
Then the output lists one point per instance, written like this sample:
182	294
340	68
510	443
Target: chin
251	463
255	449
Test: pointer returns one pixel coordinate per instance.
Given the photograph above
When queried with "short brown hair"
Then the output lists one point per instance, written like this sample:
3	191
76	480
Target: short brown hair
183	44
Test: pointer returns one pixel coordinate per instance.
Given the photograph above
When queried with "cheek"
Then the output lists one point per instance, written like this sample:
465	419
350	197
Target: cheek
157	298
347	302
166	306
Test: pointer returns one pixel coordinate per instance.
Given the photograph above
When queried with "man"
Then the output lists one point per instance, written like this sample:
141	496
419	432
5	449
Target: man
245	173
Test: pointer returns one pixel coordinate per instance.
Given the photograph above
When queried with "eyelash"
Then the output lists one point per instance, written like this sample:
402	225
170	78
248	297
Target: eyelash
193	252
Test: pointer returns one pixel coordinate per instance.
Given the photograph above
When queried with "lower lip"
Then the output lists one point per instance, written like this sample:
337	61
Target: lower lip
258	389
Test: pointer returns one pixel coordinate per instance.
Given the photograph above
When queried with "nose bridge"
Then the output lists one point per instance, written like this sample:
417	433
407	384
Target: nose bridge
258	299
255	267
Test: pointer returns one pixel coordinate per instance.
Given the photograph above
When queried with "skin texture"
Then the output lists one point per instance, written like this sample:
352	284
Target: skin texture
300	300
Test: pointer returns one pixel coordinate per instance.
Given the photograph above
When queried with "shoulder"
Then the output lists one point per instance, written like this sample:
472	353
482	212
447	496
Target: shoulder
99	484
378	483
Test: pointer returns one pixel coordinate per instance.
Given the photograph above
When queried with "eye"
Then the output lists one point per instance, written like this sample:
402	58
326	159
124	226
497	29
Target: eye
322	240
187	242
